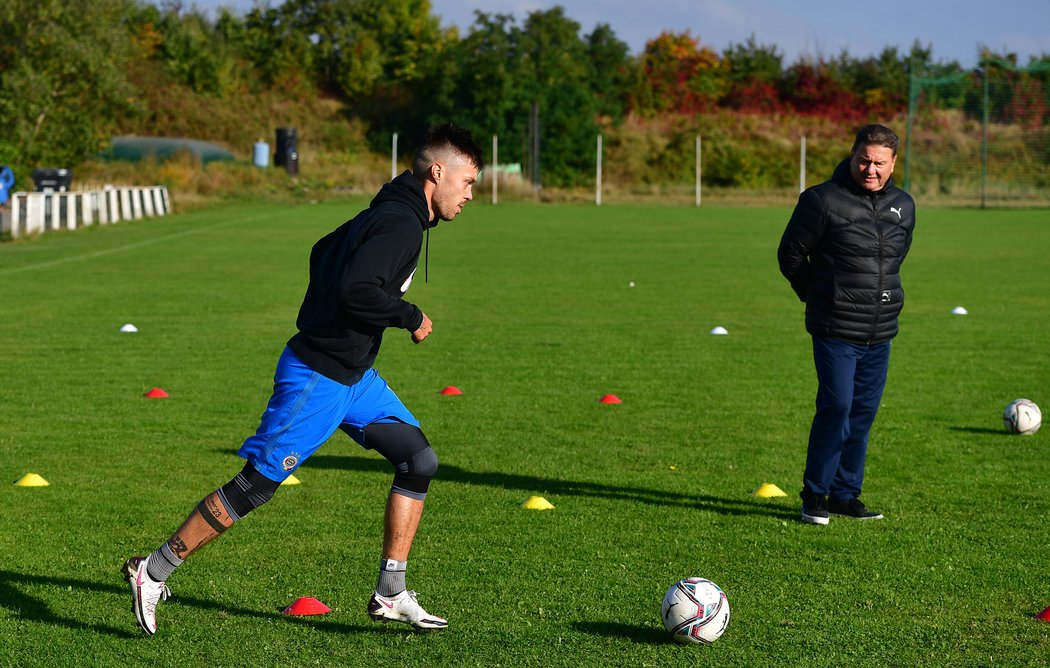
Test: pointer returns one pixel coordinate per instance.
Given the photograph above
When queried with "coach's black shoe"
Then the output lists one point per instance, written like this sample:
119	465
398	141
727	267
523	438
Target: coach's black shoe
852	508
814	508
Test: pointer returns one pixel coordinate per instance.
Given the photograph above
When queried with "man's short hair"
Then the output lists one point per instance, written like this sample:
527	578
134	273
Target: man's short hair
876	135
444	137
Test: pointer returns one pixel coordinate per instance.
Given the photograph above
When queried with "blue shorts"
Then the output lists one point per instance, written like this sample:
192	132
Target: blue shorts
305	410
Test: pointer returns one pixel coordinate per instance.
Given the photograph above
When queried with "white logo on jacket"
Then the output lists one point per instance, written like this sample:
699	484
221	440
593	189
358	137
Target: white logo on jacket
896	211
408	281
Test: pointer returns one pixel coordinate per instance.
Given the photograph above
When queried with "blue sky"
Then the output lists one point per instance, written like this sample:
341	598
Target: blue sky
953	28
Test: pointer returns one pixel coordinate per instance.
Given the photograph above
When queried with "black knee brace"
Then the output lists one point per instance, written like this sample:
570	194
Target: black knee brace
248	490
404	446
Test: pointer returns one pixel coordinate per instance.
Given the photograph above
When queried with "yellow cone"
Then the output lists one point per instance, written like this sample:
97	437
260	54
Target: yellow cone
32	480
769	489
291	480
537	503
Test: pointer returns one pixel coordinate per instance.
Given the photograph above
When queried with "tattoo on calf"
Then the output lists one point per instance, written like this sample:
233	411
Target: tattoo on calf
178	546
211	512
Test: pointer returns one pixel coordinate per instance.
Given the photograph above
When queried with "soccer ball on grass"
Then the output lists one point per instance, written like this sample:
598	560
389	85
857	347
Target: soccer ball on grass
695	610
1022	416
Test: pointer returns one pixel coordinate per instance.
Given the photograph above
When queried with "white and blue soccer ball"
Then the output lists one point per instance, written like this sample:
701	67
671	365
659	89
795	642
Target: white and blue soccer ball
1022	416
695	611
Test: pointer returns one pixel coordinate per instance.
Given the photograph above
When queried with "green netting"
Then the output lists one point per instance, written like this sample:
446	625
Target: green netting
981	137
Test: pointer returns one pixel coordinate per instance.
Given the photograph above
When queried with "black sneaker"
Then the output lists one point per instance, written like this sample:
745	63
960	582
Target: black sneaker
814	509
852	508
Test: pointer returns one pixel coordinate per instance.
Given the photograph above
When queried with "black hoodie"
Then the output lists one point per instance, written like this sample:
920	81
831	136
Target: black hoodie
358	276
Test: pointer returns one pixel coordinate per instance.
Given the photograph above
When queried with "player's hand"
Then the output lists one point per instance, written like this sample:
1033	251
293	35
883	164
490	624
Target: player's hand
424	330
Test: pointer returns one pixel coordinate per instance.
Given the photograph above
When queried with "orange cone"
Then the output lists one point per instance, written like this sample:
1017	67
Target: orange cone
451	391
307	605
610	399
156	393
1044	615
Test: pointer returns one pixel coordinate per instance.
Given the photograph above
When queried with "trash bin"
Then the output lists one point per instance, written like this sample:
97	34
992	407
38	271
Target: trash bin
50	179
261	155
286	145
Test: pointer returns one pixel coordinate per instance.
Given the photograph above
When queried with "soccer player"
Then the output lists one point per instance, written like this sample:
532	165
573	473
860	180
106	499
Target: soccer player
324	380
842	251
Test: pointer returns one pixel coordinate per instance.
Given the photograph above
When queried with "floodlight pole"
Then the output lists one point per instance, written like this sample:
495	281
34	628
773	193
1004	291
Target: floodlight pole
393	158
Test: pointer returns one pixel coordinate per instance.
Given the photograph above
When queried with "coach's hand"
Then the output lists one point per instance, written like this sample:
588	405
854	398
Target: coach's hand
424	330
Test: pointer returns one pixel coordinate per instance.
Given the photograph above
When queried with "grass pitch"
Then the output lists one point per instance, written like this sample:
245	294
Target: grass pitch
535	320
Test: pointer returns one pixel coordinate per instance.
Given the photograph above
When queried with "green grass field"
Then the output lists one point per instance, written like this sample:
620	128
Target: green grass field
534	321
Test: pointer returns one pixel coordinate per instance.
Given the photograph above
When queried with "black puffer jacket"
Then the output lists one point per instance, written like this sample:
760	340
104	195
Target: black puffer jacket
842	251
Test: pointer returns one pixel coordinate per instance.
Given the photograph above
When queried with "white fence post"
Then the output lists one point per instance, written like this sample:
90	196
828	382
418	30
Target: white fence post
147	201
70	202
113	205
34	213
136	203
87	207
126	211
16	214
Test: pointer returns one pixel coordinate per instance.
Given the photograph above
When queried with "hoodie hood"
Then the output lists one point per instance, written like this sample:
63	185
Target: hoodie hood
407	189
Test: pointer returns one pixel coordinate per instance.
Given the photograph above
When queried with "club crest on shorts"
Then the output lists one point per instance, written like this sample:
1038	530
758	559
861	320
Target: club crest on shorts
289	462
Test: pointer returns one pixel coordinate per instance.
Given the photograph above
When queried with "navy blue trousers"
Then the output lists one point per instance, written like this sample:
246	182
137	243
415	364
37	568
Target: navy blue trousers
851	378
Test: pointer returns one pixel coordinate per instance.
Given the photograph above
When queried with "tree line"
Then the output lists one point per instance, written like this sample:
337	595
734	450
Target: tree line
72	76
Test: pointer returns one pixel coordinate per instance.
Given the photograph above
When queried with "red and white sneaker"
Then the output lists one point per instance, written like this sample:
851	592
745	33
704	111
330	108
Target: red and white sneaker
145	593
403	608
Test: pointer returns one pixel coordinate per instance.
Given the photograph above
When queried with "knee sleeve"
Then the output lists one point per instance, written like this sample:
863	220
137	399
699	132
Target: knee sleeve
248	490
404	446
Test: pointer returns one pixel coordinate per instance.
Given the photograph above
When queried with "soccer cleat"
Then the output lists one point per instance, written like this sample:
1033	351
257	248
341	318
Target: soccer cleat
852	508
814	509
145	593
403	608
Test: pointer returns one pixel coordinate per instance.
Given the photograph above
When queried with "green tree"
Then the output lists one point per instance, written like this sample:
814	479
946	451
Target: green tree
371	52
62	73
488	97
614	74
754	72
555	76
278	47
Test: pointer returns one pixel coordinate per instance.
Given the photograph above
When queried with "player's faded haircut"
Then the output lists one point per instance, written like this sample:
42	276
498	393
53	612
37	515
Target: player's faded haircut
446	137
876	135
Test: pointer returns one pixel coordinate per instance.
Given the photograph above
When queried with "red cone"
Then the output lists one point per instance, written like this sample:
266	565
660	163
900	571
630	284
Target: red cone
451	391
1044	615
610	399
307	605
156	393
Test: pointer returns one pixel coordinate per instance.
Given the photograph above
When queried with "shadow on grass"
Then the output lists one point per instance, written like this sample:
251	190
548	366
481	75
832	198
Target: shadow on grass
553	486
640	635
15	595
981	430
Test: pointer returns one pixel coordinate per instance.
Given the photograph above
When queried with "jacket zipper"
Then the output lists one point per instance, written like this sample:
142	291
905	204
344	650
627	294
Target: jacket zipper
878	289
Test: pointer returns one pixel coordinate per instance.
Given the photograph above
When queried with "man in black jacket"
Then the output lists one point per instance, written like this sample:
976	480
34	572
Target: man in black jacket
325	381
841	252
